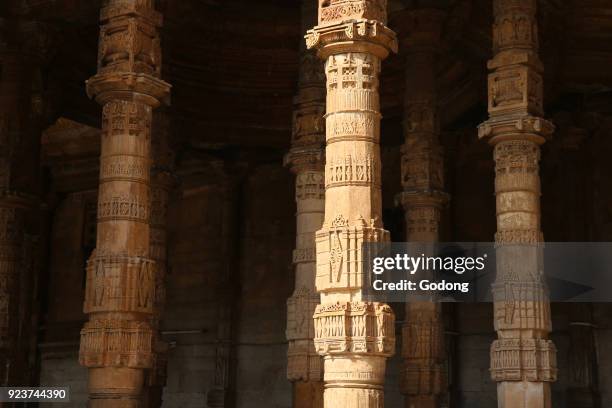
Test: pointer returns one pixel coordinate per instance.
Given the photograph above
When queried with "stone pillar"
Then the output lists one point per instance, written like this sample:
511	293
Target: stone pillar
523	359
21	57
118	341
306	160
423	198
162	182
354	336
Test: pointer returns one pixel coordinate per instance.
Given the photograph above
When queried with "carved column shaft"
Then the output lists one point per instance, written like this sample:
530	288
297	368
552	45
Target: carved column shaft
162	182
523	360
117	343
423	198
354	336
306	160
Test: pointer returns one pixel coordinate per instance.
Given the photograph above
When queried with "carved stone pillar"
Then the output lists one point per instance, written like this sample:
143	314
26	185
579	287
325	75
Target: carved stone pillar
523	359
162	182
423	198
20	114
306	161
118	341
354	336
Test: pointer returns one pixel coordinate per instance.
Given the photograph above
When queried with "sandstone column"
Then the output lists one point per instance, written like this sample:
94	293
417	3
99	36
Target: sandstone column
162	182
523	360
117	343
354	336
423	198
306	161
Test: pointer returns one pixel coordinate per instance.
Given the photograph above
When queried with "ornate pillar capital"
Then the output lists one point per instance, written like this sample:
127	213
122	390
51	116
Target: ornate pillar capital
352	26
129	54
515	27
516	95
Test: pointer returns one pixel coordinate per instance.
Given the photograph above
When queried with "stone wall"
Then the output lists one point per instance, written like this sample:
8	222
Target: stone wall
268	234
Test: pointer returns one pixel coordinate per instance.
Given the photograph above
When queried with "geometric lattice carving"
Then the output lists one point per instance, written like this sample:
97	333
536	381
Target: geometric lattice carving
523	360
116	343
354	327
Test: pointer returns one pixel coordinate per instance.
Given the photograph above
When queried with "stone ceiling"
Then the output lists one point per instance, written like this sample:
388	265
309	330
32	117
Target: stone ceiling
233	63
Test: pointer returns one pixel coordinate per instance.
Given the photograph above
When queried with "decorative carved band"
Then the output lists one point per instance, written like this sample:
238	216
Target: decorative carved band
341	10
304	364
123	207
309	124
126	118
351	171
358	35
515	90
304	255
124	167
345	126
116	343
354	327
120	284
521	306
339	253
523	360
310	185
129	41
515	25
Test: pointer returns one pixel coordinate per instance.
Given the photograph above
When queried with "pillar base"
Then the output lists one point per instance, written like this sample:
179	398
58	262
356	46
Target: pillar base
523	394
115	387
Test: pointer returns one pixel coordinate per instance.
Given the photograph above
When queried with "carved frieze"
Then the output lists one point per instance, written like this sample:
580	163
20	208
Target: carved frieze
120	284
354	327
123	207
351	170
515	25
335	11
527	359
116	343
123	167
129	40
339	253
310	185
304	364
515	89
124	118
